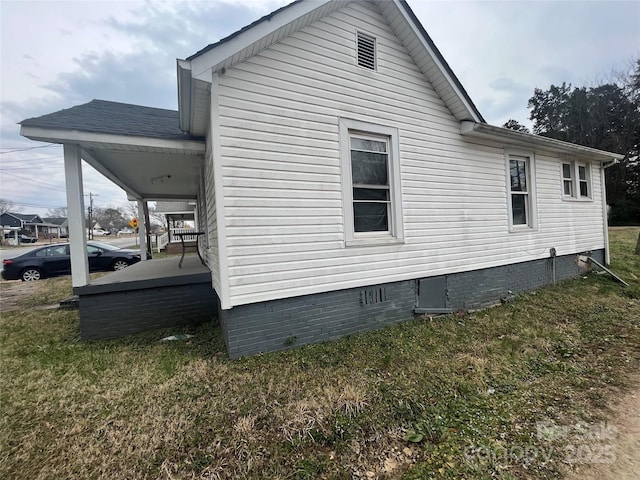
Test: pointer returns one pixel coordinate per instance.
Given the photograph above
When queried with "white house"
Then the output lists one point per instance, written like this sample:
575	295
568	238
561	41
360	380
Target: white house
343	177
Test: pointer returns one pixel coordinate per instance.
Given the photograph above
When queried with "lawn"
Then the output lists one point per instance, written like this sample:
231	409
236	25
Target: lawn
458	396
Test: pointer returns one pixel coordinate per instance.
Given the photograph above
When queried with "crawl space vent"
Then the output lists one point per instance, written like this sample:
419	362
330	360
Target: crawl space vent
370	296
366	51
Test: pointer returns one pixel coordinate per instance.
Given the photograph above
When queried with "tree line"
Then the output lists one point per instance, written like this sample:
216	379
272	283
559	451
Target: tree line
605	116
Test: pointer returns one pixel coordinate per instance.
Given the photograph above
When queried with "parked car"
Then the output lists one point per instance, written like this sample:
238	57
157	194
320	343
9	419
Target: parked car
99	231
22	238
54	260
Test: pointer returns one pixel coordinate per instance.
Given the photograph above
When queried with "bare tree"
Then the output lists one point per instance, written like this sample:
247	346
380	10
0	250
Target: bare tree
58	212
6	206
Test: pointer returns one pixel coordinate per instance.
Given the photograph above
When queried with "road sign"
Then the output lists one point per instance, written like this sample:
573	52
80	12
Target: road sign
134	223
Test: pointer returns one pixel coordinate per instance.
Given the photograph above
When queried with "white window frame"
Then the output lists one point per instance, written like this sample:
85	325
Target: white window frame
395	234
576	193
531	203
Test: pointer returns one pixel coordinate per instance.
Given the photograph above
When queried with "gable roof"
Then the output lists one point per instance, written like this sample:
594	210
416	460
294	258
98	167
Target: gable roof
101	116
25	217
285	21
56	220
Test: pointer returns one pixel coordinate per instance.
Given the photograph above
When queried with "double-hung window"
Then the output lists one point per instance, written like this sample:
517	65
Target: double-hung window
521	183
371	183
370	179
576	180
567	179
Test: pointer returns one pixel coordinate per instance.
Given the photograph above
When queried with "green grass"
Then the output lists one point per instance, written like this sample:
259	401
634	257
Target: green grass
457	386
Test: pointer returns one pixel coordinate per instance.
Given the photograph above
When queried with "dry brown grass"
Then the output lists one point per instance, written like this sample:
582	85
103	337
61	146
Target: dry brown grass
138	408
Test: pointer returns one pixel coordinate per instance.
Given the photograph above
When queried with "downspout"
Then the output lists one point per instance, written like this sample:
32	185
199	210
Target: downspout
605	213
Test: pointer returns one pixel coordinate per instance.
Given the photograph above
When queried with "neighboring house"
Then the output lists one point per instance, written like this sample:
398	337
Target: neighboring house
61	223
343	177
31	223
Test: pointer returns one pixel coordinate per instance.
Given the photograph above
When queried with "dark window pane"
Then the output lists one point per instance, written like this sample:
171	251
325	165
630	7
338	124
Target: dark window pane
518	171
371	194
568	187
370	217
519	209
368	145
582	173
584	190
566	170
369	168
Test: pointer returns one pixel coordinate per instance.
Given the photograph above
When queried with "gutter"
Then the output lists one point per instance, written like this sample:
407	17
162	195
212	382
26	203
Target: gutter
474	129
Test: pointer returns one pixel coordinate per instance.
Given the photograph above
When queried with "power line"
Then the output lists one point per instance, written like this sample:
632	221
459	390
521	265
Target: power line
34	181
25	160
29	148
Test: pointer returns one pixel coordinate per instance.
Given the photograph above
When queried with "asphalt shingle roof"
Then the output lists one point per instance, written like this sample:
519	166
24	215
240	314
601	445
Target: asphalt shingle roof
55	220
24	217
101	116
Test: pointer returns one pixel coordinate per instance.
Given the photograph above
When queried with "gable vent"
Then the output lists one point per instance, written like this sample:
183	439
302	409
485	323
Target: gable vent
366	51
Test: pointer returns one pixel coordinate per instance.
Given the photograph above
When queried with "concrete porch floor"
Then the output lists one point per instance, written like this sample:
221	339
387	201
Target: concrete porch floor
149	274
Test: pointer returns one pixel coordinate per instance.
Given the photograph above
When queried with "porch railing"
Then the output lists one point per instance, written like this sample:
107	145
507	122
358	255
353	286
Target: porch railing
187	238
162	241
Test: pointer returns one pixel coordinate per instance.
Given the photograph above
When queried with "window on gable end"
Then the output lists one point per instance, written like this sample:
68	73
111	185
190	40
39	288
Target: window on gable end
522	190
366	51
370	162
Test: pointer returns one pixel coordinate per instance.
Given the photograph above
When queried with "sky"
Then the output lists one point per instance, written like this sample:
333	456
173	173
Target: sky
57	54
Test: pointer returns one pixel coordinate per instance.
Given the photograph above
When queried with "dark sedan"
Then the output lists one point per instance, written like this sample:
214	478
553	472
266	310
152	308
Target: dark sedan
54	260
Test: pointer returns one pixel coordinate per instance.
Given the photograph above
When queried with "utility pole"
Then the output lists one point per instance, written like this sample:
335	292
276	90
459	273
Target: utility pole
90	210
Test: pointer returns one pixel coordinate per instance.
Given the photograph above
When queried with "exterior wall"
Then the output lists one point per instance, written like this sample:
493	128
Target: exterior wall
283	208
212	253
286	323
119	313
10	221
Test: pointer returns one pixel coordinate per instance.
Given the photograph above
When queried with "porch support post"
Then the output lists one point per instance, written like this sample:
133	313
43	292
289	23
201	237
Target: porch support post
75	212
142	231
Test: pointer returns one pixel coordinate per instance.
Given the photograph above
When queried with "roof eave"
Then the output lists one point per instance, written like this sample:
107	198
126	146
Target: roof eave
513	137
218	53
438	58
61	136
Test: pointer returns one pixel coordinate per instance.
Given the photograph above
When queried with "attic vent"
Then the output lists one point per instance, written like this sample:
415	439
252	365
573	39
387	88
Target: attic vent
373	295
366	51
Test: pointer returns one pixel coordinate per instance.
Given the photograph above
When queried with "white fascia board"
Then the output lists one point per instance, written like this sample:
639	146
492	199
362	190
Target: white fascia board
514	137
452	84
184	94
202	64
76	136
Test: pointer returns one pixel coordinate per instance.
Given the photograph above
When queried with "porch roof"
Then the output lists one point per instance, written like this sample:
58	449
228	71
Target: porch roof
141	149
101	116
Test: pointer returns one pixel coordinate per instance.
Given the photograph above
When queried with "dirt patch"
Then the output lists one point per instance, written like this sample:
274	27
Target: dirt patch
620	452
12	291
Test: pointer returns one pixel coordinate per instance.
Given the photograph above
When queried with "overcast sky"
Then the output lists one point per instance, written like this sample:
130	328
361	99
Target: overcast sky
56	54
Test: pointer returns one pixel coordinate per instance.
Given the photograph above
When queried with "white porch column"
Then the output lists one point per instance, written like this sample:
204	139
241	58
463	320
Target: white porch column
142	231
75	212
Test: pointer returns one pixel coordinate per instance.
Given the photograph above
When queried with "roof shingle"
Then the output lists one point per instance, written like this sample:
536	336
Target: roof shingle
101	116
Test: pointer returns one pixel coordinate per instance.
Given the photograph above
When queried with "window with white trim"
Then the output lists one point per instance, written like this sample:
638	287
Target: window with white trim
583	181
576	180
371	183
567	179
521	188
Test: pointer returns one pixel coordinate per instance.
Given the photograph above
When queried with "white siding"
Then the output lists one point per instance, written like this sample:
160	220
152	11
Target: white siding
279	114
212	253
